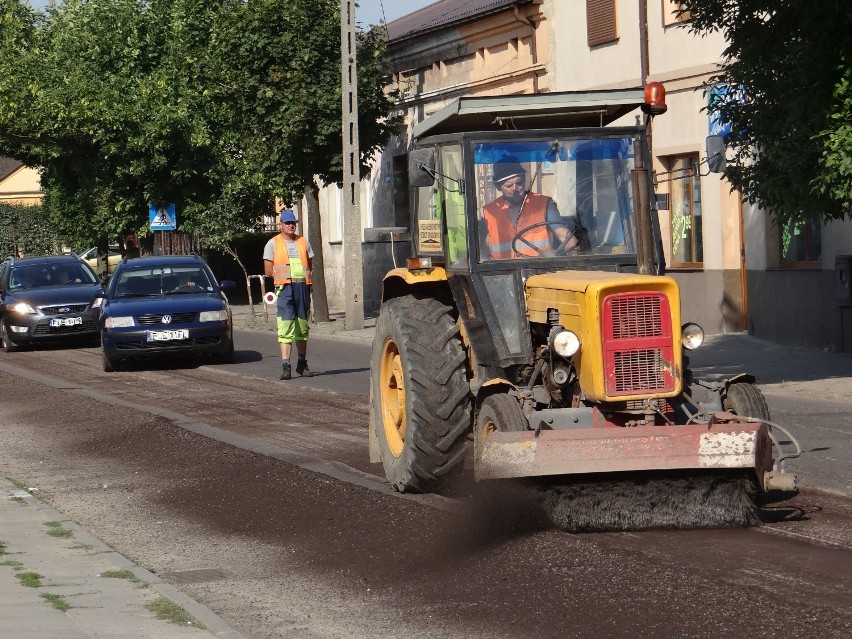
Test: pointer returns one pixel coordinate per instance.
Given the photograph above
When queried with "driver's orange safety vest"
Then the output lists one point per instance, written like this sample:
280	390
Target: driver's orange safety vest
281	263
501	231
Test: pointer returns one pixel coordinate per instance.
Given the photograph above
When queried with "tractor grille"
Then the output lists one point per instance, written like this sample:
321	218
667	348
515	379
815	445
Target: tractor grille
637	343
177	318
663	405
636	317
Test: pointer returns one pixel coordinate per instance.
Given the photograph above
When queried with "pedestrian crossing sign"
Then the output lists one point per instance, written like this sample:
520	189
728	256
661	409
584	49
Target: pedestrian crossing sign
163	218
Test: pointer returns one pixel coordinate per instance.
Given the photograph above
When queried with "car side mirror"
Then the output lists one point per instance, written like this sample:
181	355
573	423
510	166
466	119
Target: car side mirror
105	279
716	161
421	167
227	285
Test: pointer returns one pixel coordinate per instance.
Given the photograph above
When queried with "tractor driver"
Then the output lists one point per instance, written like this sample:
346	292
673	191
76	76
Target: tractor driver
517	209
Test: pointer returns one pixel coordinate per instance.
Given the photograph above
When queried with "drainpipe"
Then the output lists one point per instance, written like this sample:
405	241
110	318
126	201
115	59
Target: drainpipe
528	23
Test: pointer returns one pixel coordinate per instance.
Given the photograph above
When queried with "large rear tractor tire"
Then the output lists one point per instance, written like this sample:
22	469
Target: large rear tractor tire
421	403
746	400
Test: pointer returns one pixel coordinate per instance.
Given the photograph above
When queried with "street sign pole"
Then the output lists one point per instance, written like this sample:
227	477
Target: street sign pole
353	276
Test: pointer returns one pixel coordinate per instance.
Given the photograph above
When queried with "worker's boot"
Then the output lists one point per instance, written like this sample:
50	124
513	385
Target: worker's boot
285	371
302	368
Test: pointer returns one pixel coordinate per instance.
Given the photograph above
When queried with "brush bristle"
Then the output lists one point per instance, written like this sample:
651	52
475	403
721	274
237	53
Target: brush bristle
656	502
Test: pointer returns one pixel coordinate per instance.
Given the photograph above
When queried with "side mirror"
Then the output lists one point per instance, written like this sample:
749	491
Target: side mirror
105	279
227	285
421	167
716	161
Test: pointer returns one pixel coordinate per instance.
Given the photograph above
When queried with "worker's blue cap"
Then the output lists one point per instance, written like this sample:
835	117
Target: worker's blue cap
288	216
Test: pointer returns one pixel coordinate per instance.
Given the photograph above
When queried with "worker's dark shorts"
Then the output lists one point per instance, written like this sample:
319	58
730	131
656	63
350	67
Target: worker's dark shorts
293	310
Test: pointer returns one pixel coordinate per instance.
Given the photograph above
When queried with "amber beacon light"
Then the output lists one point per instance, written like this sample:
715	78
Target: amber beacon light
655	98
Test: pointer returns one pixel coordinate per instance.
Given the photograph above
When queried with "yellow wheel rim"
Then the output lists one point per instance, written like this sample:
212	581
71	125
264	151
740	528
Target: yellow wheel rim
486	429
392	389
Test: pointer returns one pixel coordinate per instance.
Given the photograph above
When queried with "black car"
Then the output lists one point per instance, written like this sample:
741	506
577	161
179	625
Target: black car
47	299
162	307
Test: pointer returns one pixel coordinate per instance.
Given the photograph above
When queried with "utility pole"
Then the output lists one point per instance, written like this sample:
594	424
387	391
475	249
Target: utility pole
353	277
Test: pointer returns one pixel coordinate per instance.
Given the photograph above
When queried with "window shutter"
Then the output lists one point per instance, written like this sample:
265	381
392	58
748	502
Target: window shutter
600	22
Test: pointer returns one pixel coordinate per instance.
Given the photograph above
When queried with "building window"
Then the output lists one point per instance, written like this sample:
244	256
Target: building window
801	243
600	22
400	190
673	12
685	208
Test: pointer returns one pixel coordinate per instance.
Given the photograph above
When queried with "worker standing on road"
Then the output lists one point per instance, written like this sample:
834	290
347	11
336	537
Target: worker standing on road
287	258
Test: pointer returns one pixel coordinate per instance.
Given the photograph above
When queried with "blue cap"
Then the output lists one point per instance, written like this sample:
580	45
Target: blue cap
288	216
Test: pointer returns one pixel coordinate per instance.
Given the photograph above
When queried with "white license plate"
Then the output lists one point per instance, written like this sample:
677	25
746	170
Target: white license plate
68	321
165	336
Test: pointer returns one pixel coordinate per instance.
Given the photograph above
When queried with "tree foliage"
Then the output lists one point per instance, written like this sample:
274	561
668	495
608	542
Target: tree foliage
216	106
23	232
791	130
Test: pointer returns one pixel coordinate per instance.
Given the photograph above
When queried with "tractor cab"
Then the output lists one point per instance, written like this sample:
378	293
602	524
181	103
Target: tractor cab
505	188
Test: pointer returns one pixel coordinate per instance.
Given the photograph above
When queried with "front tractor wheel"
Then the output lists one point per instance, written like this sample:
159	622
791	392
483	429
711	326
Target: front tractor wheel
498	413
421	403
746	400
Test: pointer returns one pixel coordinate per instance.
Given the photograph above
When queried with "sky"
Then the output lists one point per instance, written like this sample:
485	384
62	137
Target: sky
368	12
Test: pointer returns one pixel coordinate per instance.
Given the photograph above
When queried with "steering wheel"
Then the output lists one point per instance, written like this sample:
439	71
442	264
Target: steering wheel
188	288
562	249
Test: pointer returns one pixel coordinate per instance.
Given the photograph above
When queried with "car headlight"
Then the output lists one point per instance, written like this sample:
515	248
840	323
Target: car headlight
23	307
118	322
214	316
564	342
691	336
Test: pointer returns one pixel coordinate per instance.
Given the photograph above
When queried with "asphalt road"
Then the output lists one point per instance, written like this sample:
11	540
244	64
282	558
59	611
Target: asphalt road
257	498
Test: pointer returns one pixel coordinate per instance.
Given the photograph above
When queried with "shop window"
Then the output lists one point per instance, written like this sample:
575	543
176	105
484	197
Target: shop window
801	243
685	208
600	22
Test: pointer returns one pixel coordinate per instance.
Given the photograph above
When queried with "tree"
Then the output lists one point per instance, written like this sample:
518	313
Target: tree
790	130
277	66
102	95
215	106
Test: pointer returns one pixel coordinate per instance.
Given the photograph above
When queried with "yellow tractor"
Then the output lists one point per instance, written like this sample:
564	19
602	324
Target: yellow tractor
534	332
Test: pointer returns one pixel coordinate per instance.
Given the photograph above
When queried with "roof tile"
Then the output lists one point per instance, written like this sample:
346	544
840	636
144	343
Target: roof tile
444	13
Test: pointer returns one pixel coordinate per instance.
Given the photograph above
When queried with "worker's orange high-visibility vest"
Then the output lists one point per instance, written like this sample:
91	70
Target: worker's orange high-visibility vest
501	231
281	263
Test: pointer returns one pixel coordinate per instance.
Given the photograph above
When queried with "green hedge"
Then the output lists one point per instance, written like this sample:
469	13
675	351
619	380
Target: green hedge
25	231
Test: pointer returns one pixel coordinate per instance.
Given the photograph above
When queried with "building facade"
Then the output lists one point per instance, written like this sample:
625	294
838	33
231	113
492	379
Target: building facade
19	184
737	270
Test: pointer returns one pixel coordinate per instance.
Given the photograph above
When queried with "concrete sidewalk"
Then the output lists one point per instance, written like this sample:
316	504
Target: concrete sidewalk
57	581
262	318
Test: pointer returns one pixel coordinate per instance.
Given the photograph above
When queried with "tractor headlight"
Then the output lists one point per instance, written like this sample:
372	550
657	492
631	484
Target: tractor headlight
691	336
564	343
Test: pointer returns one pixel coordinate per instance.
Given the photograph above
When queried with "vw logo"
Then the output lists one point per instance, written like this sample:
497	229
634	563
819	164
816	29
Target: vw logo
167	319
64	309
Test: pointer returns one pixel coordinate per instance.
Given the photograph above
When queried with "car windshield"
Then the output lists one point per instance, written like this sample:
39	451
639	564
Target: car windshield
29	276
550	198
162	280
